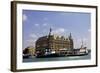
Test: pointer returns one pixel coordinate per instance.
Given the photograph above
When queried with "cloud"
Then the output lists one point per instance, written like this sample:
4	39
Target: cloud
36	24
85	39
32	39
30	42
24	17
89	30
59	31
33	35
45	24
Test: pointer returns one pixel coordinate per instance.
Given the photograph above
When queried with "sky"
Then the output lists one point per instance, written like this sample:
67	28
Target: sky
38	23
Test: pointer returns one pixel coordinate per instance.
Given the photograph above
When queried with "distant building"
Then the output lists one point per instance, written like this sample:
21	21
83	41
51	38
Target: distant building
54	43
29	50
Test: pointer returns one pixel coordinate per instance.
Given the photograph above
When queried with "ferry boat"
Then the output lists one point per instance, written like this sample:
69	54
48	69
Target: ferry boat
75	52
63	52
80	51
46	54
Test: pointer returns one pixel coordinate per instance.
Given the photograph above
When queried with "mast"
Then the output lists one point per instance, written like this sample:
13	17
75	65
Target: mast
82	44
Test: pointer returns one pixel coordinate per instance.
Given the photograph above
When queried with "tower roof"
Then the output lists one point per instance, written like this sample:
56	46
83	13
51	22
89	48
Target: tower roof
70	36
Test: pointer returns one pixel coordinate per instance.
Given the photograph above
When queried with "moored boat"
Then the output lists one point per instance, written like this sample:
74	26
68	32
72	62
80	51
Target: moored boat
26	55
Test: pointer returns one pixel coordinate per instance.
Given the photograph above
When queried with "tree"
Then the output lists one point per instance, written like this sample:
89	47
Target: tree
26	50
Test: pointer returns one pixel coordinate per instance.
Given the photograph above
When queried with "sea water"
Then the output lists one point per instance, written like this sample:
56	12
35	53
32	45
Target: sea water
66	58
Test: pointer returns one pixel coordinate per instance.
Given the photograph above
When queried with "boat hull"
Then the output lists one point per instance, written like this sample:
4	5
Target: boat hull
59	55
47	56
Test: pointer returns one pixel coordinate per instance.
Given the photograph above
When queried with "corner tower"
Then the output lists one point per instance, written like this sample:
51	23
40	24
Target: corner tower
71	44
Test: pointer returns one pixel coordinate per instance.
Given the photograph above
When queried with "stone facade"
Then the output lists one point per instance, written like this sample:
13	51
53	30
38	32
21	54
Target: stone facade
54	43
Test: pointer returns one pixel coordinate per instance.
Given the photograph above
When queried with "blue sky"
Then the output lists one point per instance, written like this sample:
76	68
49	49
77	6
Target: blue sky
38	23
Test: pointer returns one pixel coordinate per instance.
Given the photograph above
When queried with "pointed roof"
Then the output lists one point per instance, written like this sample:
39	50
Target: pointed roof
70	36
